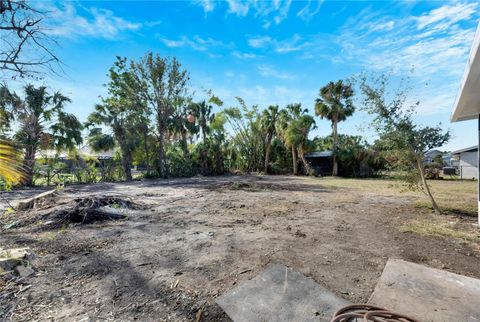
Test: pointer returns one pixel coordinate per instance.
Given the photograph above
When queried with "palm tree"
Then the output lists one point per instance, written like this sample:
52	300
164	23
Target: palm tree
286	116
116	116
297	136
159	82
202	113
335	104
268	122
124	112
180	127
41	122
11	169
203	116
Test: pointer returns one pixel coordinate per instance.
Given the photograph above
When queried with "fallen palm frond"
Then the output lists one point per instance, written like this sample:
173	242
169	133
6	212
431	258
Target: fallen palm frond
11	169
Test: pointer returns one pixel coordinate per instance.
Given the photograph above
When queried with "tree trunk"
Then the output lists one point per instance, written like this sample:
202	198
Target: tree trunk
306	165
204	133
145	147
267	151
126	154
127	164
294	160
29	163
162	167
425	184
184	145
161	155
335	163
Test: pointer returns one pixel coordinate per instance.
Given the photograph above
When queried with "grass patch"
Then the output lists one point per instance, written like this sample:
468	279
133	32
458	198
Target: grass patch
437	228
455	197
450	207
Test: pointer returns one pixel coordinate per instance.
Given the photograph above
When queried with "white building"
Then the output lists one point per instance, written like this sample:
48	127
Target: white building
467	162
430	156
467	103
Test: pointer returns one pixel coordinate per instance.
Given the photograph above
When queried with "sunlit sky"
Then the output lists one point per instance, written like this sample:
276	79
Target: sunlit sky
276	52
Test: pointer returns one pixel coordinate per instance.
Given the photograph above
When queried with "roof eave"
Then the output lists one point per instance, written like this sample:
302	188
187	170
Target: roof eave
467	102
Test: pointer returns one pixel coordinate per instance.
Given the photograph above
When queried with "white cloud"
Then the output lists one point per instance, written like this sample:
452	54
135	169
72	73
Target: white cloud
295	43
310	9
386	26
259	42
208	5
274	12
423	42
269	71
242	55
447	15
281	95
271	12
434	44
240	8
71	21
436	100
196	42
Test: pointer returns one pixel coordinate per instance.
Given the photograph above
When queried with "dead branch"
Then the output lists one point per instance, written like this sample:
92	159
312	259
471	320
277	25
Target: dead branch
25	46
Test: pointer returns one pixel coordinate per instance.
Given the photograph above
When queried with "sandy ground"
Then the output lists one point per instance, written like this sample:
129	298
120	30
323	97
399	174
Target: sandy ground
197	238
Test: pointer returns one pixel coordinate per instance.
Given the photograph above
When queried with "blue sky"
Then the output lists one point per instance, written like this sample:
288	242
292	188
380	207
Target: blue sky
276	52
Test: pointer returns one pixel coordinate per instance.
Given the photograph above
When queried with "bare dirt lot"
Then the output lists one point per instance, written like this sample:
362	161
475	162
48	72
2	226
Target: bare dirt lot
189	240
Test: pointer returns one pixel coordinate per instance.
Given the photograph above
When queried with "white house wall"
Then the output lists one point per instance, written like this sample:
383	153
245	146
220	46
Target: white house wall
468	165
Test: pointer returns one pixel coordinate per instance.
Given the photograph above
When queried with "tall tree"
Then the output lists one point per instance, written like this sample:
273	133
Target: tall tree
25	46
394	123
335	104
202	111
268	122
204	116
247	141
160	82
180	125
287	116
120	111
40	122
297	136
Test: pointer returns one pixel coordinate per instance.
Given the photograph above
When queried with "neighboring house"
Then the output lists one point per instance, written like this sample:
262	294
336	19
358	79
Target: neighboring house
320	161
101	155
467	103
83	151
430	156
449	160
467	162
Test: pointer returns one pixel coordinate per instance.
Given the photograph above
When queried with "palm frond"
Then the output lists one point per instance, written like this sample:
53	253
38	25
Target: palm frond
11	169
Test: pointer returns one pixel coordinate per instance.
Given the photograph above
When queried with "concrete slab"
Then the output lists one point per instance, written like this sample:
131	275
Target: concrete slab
280	294
428	294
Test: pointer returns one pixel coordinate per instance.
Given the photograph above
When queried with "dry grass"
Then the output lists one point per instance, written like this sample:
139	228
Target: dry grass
440	228
453	196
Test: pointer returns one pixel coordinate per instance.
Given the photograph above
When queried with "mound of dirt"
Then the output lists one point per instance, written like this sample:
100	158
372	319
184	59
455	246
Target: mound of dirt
249	186
54	209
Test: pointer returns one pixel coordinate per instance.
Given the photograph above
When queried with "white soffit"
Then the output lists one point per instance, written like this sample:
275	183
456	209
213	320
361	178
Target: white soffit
467	102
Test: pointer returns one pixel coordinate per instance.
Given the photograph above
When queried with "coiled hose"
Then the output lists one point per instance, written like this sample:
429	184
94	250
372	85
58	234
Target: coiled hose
368	313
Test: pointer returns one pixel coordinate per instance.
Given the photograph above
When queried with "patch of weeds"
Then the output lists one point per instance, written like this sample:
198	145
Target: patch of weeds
12	224
7	214
453	208
240	185
440	229
63	229
345	198
48	236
